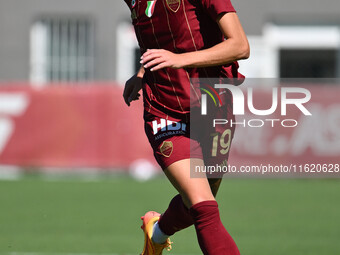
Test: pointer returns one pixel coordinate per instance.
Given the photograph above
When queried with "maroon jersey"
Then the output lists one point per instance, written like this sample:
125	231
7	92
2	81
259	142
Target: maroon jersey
178	26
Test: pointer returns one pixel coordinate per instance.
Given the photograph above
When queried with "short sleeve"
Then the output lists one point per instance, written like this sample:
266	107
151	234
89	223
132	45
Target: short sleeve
216	7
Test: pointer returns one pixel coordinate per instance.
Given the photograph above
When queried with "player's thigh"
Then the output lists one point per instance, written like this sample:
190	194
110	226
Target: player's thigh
192	190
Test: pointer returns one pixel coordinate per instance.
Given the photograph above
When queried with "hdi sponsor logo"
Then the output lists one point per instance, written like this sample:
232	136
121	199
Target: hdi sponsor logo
167	125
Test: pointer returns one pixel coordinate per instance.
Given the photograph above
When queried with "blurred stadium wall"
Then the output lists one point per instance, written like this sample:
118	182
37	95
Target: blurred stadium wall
43	40
55	55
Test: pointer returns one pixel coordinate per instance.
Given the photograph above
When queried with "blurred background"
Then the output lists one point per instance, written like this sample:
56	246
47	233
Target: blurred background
76	170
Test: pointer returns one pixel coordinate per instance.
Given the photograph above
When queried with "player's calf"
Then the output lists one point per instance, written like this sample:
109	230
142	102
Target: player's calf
213	238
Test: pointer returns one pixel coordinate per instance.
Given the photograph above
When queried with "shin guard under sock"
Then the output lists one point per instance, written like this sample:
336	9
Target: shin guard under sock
213	238
176	217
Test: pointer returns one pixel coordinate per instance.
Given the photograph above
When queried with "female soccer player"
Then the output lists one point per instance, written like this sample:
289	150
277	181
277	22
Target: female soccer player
179	40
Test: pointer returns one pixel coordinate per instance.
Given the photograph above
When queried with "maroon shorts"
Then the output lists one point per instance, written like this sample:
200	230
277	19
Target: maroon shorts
172	141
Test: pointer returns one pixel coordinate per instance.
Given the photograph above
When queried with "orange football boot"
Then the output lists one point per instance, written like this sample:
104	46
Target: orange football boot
151	248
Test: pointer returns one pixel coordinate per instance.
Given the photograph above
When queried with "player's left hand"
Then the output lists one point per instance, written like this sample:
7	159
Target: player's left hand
157	59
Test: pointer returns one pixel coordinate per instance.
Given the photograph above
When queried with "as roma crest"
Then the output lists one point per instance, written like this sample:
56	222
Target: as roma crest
166	148
173	5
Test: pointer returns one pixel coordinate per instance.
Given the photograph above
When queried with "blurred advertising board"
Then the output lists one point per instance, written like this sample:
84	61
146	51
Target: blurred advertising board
89	125
70	126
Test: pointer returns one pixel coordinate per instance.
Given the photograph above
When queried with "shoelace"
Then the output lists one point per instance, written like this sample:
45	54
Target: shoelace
168	245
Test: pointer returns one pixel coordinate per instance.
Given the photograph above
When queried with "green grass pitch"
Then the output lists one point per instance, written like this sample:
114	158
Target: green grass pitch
102	217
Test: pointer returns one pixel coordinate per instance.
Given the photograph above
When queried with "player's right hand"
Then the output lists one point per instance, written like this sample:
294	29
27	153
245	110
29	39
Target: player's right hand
132	88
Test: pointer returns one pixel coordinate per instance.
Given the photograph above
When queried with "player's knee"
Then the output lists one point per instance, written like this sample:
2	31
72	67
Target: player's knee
198	198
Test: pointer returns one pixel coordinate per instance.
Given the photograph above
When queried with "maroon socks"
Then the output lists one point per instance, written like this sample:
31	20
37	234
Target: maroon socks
212	237
176	217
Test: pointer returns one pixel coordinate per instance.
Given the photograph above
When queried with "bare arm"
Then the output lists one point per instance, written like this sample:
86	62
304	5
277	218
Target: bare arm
235	47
